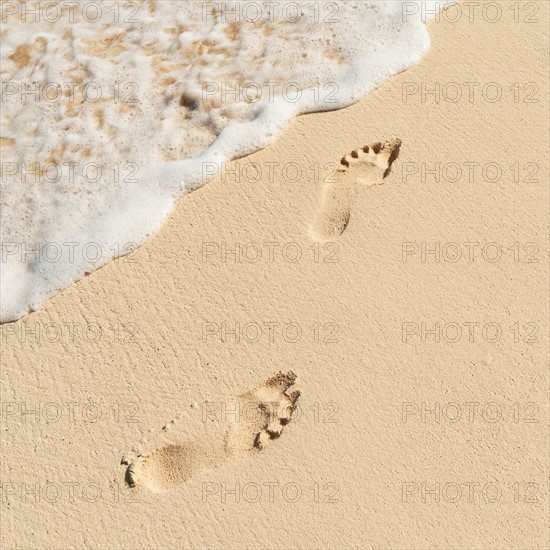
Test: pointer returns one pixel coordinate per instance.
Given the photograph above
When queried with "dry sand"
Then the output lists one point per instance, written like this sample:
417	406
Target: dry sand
125	359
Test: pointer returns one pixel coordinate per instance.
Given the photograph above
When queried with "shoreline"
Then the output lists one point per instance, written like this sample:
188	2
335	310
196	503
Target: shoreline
367	321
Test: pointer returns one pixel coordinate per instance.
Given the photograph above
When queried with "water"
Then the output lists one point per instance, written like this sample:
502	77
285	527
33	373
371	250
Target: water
109	115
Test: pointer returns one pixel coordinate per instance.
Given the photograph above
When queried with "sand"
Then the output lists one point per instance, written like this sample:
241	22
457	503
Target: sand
401	437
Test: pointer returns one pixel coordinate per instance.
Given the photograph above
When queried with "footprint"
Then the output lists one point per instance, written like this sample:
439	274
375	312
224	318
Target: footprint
358	170
260	418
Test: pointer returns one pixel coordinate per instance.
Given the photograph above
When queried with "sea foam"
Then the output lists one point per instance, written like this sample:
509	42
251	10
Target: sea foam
110	114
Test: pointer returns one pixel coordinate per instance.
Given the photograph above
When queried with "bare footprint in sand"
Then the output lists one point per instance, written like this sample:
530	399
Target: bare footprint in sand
262	415
358	170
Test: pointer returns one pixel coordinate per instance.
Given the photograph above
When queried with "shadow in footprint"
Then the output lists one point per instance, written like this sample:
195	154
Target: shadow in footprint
262	415
359	170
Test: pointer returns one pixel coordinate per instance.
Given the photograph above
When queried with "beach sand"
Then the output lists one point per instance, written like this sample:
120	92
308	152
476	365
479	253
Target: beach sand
402	437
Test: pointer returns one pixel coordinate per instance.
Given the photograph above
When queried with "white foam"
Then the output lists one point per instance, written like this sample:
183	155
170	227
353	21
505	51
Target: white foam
174	58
